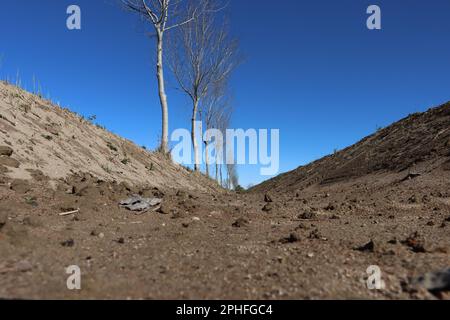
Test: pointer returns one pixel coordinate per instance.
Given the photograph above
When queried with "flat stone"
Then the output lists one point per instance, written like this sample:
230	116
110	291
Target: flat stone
140	204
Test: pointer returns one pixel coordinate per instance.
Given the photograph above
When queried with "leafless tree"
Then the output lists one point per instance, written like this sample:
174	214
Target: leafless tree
163	15
222	124
233	178
204	55
216	113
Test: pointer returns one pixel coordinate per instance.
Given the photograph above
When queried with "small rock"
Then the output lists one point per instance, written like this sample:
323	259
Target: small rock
368	247
23	266
434	281
68	243
267	208
241	222
195	219
70	190
413	199
121	241
301	226
3	219
393	241
177	215
416	242
6	151
308	215
182	194
315	234
411	176
268	198
165	208
291	239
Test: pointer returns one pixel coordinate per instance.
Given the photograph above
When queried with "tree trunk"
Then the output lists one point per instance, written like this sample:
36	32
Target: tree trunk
217	171
207	159
194	137
162	94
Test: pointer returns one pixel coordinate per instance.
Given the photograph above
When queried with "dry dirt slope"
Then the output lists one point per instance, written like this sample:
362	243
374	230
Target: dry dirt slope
419	143
59	143
296	242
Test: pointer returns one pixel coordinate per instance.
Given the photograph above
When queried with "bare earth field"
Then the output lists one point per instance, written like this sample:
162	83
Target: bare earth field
308	234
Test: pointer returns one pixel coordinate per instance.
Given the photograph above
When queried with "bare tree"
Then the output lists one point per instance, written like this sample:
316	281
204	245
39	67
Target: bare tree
233	178
204	56
222	123
159	13
217	111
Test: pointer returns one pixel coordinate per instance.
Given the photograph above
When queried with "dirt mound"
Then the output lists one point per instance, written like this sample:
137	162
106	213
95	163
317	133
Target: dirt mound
38	136
417	144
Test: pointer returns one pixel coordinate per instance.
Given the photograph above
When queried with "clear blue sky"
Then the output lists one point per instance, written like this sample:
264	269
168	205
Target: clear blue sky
312	70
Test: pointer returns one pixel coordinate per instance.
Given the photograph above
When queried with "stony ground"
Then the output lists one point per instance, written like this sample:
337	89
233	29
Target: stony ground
314	245
308	234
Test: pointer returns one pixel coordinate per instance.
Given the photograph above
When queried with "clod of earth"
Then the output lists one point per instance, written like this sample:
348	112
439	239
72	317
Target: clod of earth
267	208
165	209
20	186
291	239
139	204
70	190
416	242
9	162
413	199
6	151
3	169
315	234
23	266
268	198
308	215
241	222
368	247
434	281
411	176
3	219
68	243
